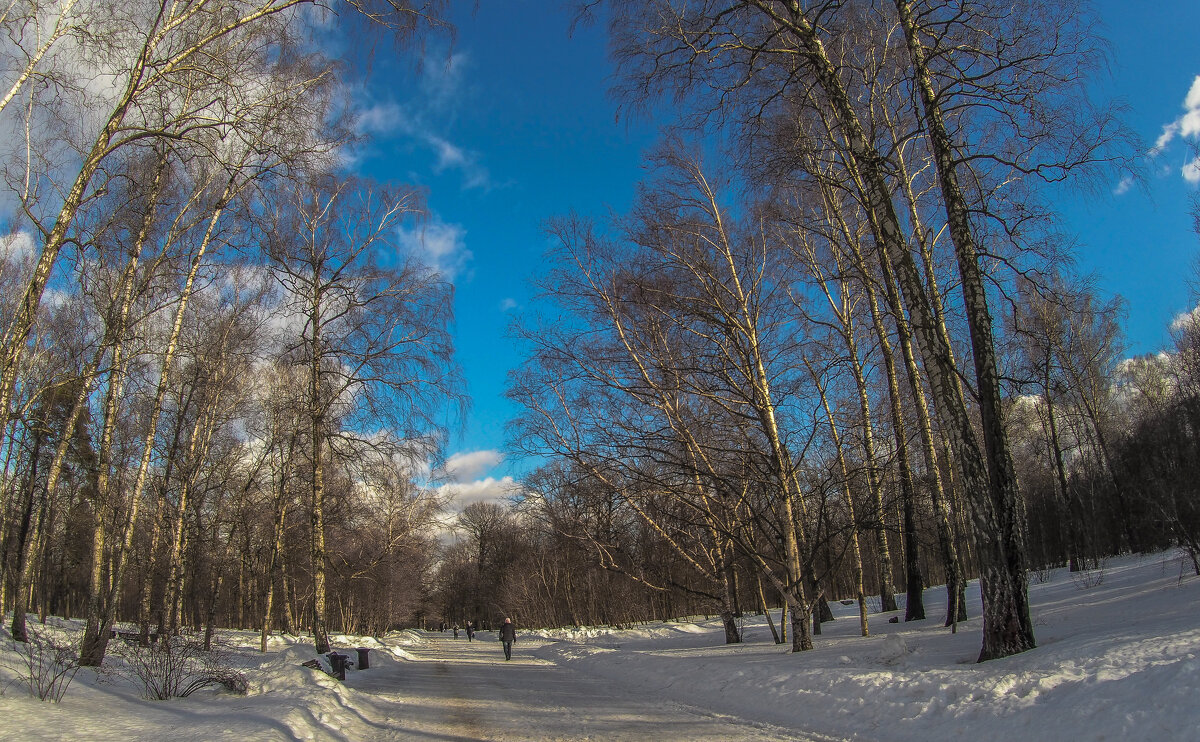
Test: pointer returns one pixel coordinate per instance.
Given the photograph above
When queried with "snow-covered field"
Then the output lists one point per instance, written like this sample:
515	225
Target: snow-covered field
1118	660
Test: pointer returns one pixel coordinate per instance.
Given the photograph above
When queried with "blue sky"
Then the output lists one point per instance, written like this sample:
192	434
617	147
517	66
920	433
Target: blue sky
514	124
1140	241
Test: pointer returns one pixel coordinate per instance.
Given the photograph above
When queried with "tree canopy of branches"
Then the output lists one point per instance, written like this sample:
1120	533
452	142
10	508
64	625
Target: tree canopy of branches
710	347
237	365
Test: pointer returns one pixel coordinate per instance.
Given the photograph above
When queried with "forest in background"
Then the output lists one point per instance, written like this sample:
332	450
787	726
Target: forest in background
834	350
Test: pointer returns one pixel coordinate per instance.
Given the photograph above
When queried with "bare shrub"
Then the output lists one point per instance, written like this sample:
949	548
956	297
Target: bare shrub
47	666
1041	575
176	667
1089	577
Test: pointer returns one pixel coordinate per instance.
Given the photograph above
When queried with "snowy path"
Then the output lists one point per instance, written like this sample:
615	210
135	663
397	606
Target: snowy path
459	690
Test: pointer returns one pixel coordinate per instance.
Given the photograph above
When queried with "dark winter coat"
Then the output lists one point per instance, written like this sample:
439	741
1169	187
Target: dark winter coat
508	633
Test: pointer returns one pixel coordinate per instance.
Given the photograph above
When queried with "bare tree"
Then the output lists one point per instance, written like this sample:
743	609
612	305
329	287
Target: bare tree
189	72
374	338
695	328
675	44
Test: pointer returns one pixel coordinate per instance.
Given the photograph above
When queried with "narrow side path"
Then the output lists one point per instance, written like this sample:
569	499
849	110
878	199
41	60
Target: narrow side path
458	690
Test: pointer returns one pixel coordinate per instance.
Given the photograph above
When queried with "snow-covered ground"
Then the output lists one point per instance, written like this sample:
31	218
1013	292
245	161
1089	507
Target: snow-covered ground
1118	660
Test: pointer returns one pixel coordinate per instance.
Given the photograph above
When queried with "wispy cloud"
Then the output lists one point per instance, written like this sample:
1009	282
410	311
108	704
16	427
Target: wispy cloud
1168	133
1186	126
428	116
508	304
443	83
1123	185
439	245
452	157
385	119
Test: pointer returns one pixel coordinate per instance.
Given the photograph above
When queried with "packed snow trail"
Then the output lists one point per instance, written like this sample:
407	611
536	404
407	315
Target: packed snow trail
459	690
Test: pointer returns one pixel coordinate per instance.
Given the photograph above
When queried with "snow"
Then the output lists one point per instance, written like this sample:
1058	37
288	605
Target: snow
1118	658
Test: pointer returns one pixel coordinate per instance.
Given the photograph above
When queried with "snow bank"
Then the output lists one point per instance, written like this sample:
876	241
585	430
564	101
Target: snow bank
1116	660
285	700
664	632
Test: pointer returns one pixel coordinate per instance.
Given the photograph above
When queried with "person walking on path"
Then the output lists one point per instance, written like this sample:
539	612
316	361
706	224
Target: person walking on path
470	631
508	635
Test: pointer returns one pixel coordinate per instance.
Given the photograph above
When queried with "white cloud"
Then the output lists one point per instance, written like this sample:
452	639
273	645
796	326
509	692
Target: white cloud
442	84
1123	186
1191	171
507	304
427	116
439	245
1192	101
457	496
17	247
468	484
449	155
489	489
467	466
1168	133
452	157
1187	125
1187	319
383	118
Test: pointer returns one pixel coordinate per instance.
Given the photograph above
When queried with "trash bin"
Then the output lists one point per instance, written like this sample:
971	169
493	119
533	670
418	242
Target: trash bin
337	663
363	663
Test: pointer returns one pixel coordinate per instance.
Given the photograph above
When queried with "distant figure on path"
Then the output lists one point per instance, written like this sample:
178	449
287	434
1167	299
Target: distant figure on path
508	635
455	631
470	631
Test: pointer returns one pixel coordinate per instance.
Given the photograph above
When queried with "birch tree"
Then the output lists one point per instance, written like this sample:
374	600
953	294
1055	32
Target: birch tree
373	337
698	316
694	33
168	71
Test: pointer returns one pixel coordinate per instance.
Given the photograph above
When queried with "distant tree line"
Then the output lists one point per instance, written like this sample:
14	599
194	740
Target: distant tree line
220	380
